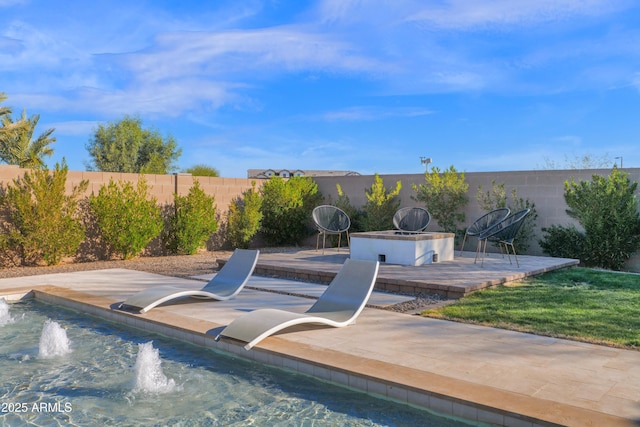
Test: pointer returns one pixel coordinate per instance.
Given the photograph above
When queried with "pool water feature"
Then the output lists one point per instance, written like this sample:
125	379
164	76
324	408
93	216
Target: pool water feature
53	341
95	384
150	377
5	316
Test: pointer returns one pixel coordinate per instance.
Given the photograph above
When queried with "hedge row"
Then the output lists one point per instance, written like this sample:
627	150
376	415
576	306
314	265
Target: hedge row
41	222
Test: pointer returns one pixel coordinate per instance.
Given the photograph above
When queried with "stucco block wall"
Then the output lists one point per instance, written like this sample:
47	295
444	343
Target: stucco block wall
162	187
544	188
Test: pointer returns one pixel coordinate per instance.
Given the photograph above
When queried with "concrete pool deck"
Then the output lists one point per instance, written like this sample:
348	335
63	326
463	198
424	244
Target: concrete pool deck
477	373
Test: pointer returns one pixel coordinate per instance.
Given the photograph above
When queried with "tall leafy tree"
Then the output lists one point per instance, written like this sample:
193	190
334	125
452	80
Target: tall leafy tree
445	195
4	110
381	205
125	146
4	113
607	210
286	209
203	170
17	146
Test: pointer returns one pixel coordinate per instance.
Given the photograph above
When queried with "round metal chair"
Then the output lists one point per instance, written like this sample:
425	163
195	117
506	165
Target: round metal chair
411	220
504	233
330	220
483	223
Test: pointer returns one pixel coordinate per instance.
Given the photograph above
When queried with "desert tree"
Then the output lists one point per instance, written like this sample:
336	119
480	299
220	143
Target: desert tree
125	146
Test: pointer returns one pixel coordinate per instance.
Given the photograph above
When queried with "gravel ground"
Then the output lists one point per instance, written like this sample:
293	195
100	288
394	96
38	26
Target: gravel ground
178	265
419	303
186	266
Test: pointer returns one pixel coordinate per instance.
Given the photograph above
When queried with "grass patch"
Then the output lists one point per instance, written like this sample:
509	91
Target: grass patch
578	303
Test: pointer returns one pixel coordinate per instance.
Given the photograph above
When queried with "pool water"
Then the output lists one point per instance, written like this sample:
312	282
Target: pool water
97	382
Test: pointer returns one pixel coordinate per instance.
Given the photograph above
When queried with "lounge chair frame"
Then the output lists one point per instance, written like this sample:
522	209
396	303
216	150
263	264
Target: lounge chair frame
340	305
226	284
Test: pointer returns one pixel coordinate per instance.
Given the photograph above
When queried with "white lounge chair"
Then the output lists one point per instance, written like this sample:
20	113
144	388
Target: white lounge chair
338	306
226	284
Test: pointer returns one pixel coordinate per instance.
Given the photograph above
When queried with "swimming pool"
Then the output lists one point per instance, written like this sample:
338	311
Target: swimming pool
95	383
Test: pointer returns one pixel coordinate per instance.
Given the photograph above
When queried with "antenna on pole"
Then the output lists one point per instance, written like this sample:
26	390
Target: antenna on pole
425	161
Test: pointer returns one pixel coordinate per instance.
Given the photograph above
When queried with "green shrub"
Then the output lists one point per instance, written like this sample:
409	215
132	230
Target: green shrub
607	210
563	242
526	235
286	209
243	220
381	204
203	170
445	195
356	216
191	222
128	220
497	198
42	219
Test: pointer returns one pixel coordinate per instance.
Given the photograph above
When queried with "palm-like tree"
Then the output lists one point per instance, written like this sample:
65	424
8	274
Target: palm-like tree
4	112
16	144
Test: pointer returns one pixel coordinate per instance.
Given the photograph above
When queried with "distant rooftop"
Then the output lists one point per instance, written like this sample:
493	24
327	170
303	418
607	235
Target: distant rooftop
287	173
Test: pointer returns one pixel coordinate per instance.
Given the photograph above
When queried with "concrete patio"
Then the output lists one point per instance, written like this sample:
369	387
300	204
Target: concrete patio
449	279
485	375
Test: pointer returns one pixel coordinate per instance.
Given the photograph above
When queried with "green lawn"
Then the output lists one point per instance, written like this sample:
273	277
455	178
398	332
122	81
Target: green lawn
578	303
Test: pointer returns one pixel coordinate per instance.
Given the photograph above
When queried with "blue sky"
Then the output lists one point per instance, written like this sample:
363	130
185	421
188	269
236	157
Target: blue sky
369	86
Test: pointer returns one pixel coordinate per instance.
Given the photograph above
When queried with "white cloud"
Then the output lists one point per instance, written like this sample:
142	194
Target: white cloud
368	113
74	127
464	15
278	49
574	140
433	51
170	99
635	81
9	3
10	46
178	72
391	46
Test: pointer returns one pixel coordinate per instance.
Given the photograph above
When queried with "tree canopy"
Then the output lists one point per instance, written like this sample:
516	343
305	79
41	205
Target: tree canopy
17	146
4	110
381	204
125	146
445	195
586	161
202	170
